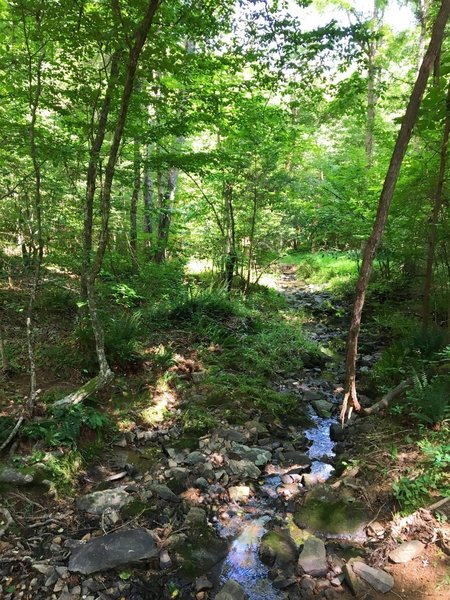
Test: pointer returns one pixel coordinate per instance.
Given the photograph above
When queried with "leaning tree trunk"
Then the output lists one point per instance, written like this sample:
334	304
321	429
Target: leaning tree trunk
350	401
105	374
432	237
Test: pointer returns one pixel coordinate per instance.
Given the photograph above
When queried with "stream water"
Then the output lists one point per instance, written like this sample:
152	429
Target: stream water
243	563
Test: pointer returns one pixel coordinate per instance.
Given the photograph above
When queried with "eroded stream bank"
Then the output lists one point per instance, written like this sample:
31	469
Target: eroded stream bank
248	504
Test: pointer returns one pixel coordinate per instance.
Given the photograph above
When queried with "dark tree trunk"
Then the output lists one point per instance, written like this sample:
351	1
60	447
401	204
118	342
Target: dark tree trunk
437	205
231	254
350	401
133	207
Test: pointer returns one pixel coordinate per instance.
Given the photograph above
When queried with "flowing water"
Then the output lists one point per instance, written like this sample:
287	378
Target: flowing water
248	527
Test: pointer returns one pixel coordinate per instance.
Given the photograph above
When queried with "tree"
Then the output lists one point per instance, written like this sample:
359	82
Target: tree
350	401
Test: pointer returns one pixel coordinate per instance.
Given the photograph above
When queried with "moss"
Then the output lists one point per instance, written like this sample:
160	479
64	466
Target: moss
329	511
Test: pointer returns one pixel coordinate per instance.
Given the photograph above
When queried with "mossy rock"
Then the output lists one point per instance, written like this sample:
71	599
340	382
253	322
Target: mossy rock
200	552
277	547
331	511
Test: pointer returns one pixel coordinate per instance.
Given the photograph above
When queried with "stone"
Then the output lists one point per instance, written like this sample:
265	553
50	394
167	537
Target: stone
277	548
196	517
231	591
117	549
322	407
165	562
97	502
239	493
337	432
233	435
294	457
244	469
256	455
332	511
350	577
163	492
201	483
406	552
380	580
195	458
203	583
310	395
310	480
177	479
313	557
10	475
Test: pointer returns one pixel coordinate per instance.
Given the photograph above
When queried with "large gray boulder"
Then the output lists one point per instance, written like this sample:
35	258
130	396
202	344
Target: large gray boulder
114	550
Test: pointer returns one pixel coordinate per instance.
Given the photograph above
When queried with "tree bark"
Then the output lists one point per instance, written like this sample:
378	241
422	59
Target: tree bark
350	401
230	253
166	205
133	206
437	205
148	193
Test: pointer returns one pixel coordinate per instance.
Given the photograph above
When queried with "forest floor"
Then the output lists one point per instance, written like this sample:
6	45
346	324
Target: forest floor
230	480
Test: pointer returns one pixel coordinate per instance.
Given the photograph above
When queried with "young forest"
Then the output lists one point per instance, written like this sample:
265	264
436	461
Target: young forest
224	299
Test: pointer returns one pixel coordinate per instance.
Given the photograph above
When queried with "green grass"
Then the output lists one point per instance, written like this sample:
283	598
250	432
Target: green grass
335	269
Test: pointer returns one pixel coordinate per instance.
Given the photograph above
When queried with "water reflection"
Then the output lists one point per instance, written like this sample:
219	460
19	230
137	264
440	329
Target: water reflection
243	564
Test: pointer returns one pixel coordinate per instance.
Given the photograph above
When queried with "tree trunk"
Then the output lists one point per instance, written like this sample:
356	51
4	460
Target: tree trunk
432	236
230	254
350	401
166	205
91	177
148	193
422	12
377	20
133	206
140	36
251	239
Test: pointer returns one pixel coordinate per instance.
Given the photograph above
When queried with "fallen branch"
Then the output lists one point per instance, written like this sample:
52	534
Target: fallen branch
13	433
90	387
387	399
438	504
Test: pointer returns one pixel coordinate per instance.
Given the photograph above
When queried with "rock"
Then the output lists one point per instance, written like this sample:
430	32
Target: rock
406	552
256	426
233	435
322	407
244	469
239	493
203	583
337	432
311	395
310	480
165	562
195	458
313	557
163	492
97	502
196	517
257	455
331	511
231	591
352	581
10	475
177	479
294	457
201	483
117	549
277	548
378	579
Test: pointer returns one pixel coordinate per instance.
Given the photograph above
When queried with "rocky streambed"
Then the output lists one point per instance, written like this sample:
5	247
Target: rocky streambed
248	513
